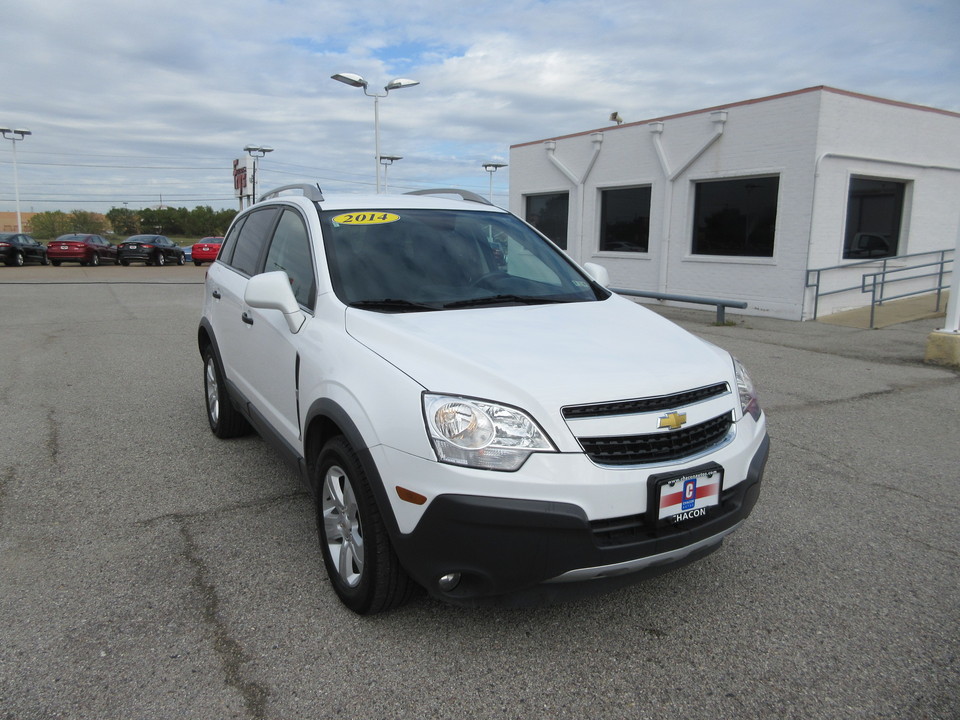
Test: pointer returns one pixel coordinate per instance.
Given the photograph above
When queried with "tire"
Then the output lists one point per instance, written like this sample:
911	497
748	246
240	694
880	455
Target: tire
56	263
361	563
225	420
160	260
18	259
95	260
197	263
44	260
181	260
125	263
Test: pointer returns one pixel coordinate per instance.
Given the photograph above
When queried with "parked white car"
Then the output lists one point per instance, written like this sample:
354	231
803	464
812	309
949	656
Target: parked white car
474	413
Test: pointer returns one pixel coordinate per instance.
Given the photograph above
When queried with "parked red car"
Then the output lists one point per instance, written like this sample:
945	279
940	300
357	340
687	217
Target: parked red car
84	249
206	250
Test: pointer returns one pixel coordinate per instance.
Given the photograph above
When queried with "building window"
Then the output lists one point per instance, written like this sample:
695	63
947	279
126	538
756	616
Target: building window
736	217
548	214
625	220
874	213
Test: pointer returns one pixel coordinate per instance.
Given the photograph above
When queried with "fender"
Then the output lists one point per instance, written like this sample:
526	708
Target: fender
331	413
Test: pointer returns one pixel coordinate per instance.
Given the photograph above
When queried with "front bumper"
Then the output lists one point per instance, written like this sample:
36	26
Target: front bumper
510	551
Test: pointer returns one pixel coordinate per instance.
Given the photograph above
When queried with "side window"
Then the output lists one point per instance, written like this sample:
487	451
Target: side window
625	219
252	239
548	214
736	217
230	241
874	218
290	252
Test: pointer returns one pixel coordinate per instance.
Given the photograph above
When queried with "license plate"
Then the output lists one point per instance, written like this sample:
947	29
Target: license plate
688	496
64	247
132	247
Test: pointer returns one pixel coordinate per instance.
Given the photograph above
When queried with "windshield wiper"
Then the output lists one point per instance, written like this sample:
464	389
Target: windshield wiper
392	304
499	299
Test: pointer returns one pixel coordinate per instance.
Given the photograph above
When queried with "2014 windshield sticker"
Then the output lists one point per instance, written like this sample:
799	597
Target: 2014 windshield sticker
365	218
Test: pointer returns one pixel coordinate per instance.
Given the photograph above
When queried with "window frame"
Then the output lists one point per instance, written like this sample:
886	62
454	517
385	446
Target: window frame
563	244
696	224
602	214
894	238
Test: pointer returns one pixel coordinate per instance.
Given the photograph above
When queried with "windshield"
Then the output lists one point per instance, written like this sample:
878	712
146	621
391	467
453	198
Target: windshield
415	260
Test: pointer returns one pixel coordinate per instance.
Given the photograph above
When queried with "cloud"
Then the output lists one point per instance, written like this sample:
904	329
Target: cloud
184	85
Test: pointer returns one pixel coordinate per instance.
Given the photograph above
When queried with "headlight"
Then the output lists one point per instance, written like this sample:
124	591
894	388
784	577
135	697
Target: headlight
481	434
749	404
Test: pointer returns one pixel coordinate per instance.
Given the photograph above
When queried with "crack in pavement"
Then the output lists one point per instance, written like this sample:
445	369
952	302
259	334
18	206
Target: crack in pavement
6	480
871	395
229	650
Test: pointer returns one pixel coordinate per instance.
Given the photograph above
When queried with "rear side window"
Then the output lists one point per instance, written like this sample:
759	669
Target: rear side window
230	241
251	241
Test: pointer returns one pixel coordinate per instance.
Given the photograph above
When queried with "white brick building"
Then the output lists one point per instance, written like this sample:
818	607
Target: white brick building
740	201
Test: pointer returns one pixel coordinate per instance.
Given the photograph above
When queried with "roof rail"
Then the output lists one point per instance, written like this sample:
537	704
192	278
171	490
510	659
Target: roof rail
311	192
464	194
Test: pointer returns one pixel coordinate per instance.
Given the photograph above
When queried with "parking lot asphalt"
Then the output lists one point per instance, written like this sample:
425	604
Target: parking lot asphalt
149	570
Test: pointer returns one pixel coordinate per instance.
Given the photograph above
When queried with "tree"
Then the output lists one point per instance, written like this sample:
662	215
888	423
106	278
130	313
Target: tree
200	221
88	222
223	220
124	221
48	225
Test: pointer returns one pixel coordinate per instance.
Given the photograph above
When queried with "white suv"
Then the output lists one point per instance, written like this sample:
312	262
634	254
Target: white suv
473	412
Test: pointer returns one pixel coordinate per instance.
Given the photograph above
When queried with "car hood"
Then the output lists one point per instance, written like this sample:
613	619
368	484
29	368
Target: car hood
543	355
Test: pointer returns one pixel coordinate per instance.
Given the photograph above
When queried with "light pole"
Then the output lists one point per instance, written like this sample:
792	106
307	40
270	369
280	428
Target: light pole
256	152
492	167
387	161
354	80
13	136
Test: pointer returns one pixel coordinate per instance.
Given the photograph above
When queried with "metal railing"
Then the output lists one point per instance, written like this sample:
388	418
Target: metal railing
890	271
721	304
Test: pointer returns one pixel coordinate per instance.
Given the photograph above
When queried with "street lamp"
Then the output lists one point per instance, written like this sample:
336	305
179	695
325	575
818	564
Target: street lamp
354	80
492	167
13	136
387	161
256	152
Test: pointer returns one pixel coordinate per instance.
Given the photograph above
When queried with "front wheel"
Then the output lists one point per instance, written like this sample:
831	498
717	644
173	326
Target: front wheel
363	568
225	420
181	259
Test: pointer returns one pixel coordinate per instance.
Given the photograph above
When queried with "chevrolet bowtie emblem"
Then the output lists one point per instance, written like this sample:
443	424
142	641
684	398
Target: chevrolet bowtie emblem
672	421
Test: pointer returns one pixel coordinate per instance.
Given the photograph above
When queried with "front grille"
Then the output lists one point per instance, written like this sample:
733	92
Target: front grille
644	405
658	447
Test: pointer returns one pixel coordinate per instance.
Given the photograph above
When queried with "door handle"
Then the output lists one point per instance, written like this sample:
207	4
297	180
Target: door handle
216	294
247	319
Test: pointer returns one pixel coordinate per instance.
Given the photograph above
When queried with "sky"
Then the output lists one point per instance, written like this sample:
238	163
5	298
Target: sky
137	103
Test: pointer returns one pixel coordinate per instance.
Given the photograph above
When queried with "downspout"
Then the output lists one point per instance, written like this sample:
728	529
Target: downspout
719	118
578	182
